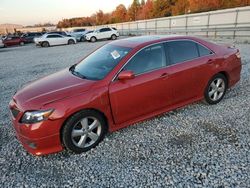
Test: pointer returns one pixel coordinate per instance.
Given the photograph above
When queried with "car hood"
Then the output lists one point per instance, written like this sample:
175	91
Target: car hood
51	88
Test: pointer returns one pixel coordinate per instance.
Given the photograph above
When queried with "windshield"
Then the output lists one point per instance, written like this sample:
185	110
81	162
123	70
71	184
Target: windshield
98	64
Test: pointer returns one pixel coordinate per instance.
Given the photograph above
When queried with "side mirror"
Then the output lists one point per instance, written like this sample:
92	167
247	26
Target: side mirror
126	75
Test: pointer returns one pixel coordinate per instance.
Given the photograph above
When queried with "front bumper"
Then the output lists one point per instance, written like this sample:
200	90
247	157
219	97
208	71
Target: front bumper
40	138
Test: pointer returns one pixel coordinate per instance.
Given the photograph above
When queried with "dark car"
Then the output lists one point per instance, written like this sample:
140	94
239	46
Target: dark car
82	39
120	84
29	37
13	40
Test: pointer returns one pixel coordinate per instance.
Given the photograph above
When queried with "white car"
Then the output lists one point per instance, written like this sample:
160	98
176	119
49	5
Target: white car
102	33
1	43
54	39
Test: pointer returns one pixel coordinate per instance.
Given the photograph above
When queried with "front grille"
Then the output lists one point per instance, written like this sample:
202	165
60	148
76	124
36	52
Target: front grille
14	112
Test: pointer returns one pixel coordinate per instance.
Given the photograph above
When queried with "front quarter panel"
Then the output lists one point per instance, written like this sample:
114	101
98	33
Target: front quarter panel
95	98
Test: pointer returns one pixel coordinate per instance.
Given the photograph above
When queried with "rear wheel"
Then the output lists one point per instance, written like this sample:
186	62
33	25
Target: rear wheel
113	37
82	39
71	41
84	131
216	89
93	39
45	44
21	43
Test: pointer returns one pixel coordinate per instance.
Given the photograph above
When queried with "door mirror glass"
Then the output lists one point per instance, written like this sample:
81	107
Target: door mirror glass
126	75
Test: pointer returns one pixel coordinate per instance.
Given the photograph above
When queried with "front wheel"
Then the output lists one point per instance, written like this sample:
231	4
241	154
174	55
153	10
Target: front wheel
71	42
82	39
45	44
83	131
113	37
93	39
216	89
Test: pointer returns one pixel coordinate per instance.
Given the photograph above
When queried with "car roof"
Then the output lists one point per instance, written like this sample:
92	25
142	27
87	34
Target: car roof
133	42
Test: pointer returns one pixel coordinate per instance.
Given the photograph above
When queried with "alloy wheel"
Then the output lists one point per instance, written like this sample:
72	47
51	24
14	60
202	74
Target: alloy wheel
216	89
86	132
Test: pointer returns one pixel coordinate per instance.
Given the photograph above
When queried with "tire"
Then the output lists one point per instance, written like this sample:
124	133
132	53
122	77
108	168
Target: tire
45	44
82	39
93	39
83	131
216	89
113	37
71	42
21	43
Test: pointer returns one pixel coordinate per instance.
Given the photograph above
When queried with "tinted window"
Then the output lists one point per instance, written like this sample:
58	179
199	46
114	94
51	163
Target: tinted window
31	34
79	30
54	36
203	50
179	51
150	58
105	29
98	64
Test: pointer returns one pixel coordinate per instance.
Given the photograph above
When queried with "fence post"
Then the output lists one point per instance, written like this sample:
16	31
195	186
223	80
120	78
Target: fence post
186	25
137	28
146	27
122	29
208	22
170	25
235	22
128	28
156	26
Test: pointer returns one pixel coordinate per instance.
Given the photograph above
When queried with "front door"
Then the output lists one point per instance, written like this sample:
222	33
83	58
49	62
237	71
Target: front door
146	92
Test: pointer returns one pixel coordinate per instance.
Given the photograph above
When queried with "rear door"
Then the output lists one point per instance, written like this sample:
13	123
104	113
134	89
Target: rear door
146	92
56	39
189	70
101	34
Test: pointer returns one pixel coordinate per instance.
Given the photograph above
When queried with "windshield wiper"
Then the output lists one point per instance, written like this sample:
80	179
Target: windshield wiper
76	73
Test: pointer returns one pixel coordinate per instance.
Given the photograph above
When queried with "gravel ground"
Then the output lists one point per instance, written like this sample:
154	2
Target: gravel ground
195	146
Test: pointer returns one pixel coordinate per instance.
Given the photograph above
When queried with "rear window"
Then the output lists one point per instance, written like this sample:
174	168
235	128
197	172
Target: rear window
203	50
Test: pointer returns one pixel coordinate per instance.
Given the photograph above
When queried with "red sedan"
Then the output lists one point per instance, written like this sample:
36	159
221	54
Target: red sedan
119	84
12	41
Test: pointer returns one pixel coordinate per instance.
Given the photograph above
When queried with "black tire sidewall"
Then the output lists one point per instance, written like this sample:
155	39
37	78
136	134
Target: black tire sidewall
68	126
71	41
45	44
91	39
206	96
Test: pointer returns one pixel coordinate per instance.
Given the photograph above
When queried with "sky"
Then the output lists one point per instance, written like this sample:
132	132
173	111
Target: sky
30	12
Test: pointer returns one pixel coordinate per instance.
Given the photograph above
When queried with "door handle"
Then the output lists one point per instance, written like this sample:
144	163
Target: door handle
210	61
164	75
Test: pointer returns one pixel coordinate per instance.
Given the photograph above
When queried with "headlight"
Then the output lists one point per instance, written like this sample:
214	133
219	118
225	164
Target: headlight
36	116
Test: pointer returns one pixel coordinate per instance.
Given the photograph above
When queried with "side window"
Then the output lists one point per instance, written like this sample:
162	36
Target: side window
102	30
54	36
203	50
148	59
179	51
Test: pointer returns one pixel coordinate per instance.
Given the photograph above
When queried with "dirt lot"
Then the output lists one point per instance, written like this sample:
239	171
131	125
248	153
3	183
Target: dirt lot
199	145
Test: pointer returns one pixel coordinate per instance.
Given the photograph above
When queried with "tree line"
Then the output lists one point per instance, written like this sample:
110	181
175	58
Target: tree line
141	9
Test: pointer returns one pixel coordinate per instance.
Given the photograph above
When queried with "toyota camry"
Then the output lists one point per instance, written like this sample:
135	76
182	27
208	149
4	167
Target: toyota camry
119	84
